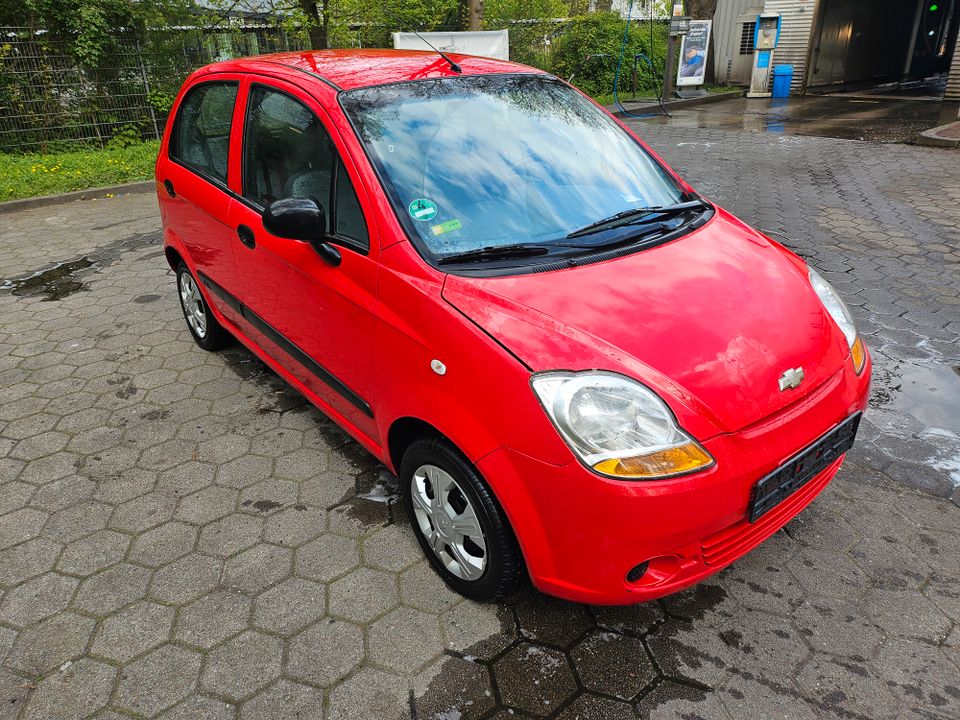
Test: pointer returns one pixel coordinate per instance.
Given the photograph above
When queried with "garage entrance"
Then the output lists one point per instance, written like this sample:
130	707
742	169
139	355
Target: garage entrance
860	43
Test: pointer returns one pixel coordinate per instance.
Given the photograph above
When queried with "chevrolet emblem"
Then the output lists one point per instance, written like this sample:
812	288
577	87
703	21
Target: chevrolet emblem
791	379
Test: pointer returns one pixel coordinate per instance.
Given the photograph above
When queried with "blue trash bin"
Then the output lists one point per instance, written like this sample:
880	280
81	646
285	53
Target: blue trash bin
782	77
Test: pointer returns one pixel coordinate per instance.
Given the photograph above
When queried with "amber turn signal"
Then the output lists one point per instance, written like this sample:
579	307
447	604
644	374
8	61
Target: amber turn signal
663	463
858	353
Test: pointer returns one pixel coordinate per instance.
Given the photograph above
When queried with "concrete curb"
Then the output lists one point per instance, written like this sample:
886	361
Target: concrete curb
637	108
91	194
944	136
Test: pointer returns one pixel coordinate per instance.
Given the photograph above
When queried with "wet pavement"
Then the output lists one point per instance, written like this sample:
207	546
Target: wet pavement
184	537
850	117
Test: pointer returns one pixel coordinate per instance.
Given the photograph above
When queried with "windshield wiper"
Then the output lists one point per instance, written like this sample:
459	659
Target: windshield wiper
628	216
495	252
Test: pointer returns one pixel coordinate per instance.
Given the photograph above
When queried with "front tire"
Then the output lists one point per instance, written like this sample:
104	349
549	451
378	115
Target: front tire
461	528
203	326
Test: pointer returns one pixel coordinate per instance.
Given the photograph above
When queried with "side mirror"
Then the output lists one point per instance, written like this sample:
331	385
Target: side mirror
296	219
301	219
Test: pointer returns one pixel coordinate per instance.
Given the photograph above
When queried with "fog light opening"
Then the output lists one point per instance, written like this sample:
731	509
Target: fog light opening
637	572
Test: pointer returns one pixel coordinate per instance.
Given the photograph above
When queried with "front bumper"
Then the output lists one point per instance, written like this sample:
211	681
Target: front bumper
581	533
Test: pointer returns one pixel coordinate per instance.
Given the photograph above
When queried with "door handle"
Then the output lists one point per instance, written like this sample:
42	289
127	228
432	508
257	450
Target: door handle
168	186
245	233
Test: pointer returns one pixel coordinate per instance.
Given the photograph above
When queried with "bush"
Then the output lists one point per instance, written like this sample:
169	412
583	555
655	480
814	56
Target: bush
602	33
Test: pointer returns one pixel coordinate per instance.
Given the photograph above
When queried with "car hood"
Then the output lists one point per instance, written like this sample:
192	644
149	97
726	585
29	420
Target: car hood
710	320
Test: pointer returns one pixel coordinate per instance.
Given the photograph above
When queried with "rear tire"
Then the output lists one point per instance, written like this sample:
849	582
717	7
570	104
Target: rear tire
458	522
203	326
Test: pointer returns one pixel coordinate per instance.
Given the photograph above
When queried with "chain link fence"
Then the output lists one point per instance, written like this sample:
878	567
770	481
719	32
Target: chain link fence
50	103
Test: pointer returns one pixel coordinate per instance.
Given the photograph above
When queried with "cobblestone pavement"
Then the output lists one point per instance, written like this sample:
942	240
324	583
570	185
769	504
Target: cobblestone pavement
183	537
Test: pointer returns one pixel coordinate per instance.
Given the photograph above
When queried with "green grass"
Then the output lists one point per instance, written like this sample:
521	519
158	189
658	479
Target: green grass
36	174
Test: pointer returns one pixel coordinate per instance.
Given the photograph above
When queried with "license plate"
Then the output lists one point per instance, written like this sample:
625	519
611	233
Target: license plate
802	468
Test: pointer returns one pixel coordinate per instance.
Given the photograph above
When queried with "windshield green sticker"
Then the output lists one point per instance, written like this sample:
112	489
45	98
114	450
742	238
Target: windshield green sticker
422	209
446	227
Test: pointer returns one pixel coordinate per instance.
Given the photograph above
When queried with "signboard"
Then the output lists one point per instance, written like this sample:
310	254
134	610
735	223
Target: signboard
693	54
486	43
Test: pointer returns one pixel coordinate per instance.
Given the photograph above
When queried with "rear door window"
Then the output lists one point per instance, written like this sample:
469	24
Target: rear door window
287	153
201	131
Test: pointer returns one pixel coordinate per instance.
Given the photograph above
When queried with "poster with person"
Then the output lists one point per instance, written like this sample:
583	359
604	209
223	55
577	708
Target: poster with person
693	54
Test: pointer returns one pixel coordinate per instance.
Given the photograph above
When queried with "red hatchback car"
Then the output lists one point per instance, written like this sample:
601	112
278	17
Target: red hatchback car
577	366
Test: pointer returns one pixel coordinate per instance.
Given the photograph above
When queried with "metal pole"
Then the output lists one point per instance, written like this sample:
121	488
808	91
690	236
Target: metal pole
668	73
146	89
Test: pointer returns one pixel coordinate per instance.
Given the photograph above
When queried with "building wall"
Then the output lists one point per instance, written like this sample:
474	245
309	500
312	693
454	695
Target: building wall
731	67
953	80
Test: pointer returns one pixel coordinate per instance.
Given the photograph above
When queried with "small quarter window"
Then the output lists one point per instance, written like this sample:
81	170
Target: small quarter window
201	131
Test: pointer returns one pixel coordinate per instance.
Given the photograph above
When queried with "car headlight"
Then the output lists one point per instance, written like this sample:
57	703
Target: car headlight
841	316
618	427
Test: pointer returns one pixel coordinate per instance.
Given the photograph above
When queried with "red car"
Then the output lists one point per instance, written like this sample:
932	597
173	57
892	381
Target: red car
578	367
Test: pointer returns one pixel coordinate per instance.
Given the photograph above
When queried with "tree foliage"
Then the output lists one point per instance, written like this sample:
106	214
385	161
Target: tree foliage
599	36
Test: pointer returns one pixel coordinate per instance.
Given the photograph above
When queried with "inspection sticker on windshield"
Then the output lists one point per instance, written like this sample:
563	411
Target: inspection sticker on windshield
446	227
422	209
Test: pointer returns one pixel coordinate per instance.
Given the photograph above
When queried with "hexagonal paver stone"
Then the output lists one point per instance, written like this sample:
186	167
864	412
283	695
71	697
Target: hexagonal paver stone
213	618
828	623
54	641
186	478
163	544
242	666
158	680
186	579
134	630
13	694
244	471
592	707
325	652
75	522
327	557
404	640
88	555
534	679
144	512
635	619
369	694
453	688
258	568
76	692
284	700
268	496
552	621
845	688
20	525
61	494
111	589
613	664
481	630
422	588
290	606
391	548
207	505
363	594
27	560
230	535
293	526
200	707
37	599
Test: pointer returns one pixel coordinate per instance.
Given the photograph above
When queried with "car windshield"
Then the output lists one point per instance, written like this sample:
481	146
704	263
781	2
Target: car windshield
500	161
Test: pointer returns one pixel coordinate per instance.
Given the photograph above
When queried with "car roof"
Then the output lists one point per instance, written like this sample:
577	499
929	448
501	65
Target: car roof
350	69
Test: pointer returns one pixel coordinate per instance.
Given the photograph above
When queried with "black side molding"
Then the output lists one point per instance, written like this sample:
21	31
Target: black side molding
287	346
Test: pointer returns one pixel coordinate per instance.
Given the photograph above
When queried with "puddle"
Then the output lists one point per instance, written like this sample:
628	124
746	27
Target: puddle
63	279
55	283
929	393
